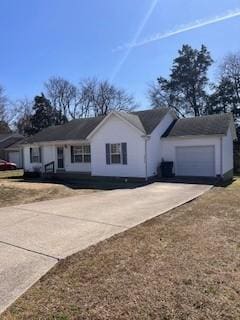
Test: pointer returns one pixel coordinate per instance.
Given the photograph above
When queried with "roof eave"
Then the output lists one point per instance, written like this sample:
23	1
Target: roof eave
57	142
194	136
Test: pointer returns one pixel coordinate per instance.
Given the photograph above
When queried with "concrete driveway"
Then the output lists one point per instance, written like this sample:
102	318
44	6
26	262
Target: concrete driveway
34	237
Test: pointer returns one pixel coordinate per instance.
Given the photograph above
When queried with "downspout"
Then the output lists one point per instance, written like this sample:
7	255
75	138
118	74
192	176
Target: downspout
146	138
145	159
22	157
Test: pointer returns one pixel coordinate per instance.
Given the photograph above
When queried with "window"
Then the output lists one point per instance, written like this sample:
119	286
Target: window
116	153
81	153
35	155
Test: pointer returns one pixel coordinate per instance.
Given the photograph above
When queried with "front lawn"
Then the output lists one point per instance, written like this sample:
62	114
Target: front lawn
12	174
181	265
15	190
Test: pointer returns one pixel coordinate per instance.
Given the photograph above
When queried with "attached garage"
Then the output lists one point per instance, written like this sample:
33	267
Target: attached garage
201	146
10	148
195	161
15	157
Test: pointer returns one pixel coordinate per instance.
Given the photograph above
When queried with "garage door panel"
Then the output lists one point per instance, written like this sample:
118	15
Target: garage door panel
14	156
195	161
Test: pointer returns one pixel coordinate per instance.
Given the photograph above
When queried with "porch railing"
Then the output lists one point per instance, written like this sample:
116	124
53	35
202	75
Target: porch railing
50	167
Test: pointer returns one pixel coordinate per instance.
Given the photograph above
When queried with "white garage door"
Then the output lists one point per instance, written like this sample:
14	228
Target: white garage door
14	156
195	161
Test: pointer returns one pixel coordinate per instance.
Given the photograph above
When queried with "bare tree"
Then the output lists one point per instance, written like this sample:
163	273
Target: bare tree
3	104
100	97
91	98
87	96
63	96
230	70
4	114
23	111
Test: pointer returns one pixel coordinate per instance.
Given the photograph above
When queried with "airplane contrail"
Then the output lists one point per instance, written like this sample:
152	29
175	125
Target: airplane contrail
135	38
181	29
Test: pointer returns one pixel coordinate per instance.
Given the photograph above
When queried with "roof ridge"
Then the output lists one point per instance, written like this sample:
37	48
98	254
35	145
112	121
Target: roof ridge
151	109
208	116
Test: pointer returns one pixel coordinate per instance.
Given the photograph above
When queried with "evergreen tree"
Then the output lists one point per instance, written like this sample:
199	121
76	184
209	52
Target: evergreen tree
185	90
44	115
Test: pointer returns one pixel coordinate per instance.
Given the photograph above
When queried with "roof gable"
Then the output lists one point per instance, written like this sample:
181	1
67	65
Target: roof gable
128	118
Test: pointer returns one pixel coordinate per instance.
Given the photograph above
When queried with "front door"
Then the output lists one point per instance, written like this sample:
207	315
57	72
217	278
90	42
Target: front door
60	157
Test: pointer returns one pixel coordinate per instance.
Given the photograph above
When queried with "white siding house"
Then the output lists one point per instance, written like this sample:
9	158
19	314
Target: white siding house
116	131
227	152
155	150
134	145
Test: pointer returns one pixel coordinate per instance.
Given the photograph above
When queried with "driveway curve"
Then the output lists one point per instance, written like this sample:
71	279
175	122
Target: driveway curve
34	237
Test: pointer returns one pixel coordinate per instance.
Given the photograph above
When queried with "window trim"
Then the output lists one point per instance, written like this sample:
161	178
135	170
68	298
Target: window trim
82	154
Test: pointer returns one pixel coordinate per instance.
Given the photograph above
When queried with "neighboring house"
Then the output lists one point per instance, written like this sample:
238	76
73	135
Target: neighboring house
134	144
10	148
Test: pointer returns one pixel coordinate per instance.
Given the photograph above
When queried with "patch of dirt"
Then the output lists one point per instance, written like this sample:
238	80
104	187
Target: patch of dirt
181	265
14	192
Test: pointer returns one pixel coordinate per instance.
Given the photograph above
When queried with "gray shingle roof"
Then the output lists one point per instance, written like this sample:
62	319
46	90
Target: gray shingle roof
205	125
79	129
10	140
151	118
4	136
74	130
16	145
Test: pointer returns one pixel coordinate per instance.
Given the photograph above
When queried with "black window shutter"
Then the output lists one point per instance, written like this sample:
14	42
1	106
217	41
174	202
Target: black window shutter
107	153
124	153
31	160
72	158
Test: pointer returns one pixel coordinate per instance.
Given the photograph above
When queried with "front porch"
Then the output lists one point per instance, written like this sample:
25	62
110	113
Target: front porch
59	158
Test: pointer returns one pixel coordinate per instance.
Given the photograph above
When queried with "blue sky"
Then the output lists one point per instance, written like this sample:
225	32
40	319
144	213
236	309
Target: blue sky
76	39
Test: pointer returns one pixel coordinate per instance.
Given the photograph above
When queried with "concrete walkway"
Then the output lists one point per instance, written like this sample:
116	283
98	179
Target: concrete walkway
34	237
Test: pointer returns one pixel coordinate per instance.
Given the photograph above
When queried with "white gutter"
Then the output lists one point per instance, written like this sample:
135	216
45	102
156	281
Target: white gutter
56	143
195	136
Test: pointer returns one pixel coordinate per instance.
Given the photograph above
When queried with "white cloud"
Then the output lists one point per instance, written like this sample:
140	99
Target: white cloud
180	29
